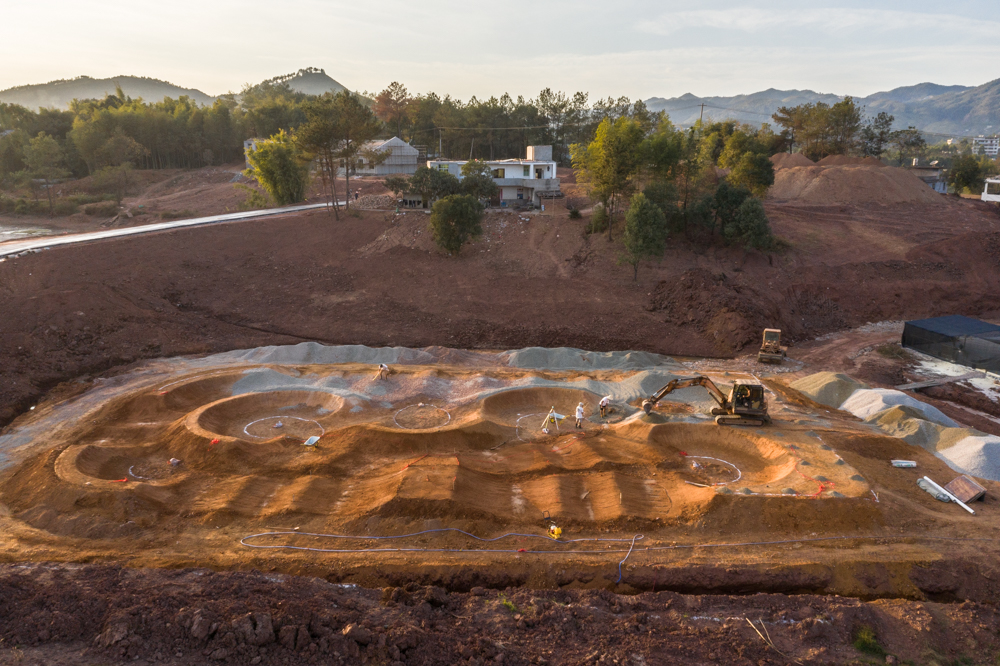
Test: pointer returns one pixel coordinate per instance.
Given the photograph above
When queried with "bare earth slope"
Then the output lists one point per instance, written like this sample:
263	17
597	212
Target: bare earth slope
531	280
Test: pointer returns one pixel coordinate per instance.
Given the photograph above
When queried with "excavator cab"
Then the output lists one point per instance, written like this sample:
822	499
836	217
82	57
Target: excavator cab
747	398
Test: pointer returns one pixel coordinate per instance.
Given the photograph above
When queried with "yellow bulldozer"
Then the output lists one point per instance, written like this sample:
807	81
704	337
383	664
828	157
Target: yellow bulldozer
771	350
745	405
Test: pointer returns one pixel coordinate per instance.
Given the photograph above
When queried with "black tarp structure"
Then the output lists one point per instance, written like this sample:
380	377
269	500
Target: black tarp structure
957	339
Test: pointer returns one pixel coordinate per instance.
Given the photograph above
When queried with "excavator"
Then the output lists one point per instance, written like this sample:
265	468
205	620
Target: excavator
745	404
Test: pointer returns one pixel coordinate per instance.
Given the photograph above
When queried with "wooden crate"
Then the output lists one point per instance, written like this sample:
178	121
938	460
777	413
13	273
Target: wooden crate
965	489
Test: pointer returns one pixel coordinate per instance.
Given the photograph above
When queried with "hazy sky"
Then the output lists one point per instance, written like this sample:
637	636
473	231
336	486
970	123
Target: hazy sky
638	48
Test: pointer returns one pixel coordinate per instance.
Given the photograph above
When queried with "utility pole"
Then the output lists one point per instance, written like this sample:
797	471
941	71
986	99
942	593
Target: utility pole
701	116
439	143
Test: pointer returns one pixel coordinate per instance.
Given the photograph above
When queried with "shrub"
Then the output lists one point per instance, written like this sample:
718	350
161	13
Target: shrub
866	641
598	221
574	214
253	199
178	214
64	207
105	209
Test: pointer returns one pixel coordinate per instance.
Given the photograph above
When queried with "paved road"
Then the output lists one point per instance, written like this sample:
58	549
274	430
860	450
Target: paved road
13	247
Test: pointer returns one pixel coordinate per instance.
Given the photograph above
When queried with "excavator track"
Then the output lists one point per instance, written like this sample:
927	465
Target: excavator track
738	421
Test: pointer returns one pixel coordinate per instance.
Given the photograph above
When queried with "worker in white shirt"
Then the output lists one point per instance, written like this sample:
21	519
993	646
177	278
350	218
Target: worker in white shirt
605	405
383	371
579	415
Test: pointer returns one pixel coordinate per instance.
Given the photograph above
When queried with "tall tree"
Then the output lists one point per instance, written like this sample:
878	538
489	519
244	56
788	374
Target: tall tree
645	235
909	143
44	159
392	106
319	138
356	125
608	165
876	134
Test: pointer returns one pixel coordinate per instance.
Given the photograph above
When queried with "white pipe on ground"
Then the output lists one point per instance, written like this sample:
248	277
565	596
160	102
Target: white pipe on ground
953	498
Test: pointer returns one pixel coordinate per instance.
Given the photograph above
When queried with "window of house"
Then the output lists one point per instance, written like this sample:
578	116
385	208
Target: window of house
499	173
527	171
442	167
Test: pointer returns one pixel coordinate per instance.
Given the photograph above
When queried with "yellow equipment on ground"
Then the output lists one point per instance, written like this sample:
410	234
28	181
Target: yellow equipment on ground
555	532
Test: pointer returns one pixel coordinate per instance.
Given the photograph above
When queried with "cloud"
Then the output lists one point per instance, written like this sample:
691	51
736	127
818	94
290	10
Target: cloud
833	20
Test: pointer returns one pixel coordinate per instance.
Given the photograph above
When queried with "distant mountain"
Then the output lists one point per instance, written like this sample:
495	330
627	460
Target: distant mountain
58	94
928	106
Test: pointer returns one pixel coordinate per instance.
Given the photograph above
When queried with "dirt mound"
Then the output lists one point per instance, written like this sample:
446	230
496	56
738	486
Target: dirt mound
846	160
864	403
726	310
789	160
853	184
828	388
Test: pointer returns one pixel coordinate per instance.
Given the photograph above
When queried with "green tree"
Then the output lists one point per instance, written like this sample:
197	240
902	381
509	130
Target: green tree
118	155
724	205
753	171
969	173
844	124
11	153
750	226
908	144
609	164
278	166
44	159
432	184
876	135
454	220
477	180
645	235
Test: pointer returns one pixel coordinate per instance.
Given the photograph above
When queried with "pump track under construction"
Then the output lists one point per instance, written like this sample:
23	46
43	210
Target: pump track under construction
300	460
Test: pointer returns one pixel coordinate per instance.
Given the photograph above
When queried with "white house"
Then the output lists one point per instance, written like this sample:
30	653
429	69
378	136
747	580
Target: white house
992	190
987	145
522	182
402	158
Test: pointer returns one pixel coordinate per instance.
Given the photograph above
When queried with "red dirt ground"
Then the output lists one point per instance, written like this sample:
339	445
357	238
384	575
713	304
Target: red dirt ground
91	615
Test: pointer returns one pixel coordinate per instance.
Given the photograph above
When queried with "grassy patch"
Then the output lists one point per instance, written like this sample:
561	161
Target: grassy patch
508	604
893	351
177	214
866	641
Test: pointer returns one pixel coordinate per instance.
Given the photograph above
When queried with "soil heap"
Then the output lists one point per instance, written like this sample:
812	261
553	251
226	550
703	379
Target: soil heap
852	181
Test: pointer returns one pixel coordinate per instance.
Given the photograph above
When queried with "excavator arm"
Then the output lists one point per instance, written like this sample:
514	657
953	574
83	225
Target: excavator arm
685	382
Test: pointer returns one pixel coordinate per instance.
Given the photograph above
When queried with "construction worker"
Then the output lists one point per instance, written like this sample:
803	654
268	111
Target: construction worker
605	405
383	371
579	415
551	419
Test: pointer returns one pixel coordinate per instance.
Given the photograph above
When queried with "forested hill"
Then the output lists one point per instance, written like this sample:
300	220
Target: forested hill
929	106
58	94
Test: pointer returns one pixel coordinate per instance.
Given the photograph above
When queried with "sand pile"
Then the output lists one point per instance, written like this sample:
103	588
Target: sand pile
900	415
789	160
313	352
828	388
865	403
854	184
567	358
